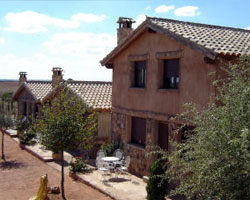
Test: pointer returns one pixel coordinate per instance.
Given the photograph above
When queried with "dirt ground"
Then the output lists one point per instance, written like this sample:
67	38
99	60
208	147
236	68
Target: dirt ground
20	177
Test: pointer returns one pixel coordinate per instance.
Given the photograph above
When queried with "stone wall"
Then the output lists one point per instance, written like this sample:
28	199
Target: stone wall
121	130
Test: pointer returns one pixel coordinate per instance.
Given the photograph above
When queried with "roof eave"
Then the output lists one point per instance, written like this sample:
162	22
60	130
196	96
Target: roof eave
107	61
20	89
102	110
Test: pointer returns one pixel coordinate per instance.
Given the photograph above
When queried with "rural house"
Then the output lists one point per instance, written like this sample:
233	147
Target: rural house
158	67
29	95
96	96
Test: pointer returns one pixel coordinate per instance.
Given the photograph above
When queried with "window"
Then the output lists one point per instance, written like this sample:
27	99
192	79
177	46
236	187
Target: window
140	74
138	135
186	132
24	109
171	74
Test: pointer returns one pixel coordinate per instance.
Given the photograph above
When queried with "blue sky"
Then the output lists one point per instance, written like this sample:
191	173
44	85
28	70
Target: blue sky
75	35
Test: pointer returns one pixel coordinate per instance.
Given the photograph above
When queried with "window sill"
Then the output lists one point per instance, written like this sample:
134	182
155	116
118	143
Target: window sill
168	90
138	88
137	145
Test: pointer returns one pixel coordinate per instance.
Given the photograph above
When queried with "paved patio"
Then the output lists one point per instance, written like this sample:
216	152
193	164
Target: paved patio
120	188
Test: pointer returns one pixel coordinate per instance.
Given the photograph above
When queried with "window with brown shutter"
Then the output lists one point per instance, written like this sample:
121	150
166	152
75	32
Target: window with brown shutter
138	135
171	74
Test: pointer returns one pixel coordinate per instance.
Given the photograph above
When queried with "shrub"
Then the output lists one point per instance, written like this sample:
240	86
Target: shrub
157	183
78	165
27	137
22	124
111	147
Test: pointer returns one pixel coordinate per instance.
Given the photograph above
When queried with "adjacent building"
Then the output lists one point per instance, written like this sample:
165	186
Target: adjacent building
157	68
96	96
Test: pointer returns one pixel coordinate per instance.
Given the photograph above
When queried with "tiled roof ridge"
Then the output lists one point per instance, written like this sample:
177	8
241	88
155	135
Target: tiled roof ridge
71	82
198	24
89	82
38	81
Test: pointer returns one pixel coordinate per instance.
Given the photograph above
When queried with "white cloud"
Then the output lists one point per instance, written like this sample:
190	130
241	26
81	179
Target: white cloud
148	8
2	41
163	8
187	11
88	17
33	22
139	19
39	67
80	44
79	53
248	28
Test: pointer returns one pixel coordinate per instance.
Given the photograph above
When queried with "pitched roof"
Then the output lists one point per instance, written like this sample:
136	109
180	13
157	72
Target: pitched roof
95	94
38	89
218	39
210	40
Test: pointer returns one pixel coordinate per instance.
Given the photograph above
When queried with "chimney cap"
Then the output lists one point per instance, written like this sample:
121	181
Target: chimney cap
125	19
57	69
22	73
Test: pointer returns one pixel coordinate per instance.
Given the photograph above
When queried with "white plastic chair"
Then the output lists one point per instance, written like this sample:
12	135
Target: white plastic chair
102	168
101	154
124	168
118	153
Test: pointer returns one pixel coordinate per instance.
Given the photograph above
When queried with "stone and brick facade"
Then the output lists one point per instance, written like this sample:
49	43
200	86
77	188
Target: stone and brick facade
157	68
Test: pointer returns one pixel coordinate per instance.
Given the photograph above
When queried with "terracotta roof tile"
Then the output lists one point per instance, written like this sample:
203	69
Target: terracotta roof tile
217	39
96	94
210	40
39	88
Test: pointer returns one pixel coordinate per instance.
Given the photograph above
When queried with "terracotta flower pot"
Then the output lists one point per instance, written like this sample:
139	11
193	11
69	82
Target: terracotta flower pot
72	175
57	156
21	145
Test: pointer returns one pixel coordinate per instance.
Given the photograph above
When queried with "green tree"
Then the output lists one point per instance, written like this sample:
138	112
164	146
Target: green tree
157	183
214	162
5	123
65	125
7	103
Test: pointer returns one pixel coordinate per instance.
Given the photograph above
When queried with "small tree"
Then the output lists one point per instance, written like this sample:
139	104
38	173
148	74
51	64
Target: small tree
157	183
65	125
214	162
5	123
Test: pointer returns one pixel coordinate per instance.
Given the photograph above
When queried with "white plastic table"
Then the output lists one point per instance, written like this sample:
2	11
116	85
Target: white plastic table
110	159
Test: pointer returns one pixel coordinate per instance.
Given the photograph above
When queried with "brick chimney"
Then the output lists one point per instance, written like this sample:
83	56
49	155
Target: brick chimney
22	77
125	28
57	76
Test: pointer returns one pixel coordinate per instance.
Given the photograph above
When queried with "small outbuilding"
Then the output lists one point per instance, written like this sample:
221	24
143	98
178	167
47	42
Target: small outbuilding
96	96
